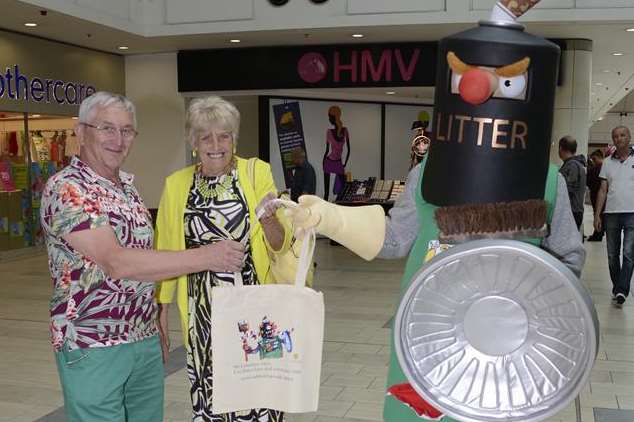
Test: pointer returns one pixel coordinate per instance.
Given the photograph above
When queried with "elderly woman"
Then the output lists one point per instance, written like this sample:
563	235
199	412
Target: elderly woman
215	202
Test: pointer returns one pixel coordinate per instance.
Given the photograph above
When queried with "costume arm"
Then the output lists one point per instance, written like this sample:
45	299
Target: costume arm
564	240
402	223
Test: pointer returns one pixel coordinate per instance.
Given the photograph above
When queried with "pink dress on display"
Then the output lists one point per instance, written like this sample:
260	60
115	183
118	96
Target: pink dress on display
333	161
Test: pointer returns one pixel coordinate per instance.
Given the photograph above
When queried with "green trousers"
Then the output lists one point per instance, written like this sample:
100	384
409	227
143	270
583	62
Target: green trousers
113	384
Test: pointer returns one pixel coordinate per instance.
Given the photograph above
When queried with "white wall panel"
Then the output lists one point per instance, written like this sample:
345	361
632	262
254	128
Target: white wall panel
118	8
602	4
357	7
160	147
189	11
549	4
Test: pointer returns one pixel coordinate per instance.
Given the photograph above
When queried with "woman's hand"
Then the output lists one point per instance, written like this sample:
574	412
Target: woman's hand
267	207
163	330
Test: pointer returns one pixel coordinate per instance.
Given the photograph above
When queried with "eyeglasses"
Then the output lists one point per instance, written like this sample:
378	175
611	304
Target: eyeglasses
111	131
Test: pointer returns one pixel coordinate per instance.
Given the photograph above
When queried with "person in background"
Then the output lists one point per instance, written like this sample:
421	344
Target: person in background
574	172
99	238
594	183
617	194
215	202
304	179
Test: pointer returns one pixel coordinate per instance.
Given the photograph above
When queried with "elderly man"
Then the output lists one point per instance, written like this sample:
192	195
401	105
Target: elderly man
617	194
99	238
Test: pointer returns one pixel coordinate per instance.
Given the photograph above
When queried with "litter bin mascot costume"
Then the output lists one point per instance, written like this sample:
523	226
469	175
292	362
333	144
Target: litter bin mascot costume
493	323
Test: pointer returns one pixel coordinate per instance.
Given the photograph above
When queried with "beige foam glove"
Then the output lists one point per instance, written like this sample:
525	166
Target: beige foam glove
360	229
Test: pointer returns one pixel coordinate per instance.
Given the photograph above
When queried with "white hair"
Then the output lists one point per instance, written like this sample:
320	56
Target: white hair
105	99
213	111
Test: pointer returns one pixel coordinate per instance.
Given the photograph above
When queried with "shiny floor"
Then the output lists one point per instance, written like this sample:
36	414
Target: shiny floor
360	299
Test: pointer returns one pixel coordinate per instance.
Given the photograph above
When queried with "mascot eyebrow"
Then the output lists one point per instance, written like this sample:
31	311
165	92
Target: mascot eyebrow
507	71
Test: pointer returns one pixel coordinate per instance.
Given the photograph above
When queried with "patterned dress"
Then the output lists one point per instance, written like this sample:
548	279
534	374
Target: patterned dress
208	219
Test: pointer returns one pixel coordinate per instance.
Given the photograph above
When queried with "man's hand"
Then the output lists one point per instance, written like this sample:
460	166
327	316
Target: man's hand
226	256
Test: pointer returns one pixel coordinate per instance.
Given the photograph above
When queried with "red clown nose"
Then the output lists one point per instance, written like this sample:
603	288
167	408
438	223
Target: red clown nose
477	85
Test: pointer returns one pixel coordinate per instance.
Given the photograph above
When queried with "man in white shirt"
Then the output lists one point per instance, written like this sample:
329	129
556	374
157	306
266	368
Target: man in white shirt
617	188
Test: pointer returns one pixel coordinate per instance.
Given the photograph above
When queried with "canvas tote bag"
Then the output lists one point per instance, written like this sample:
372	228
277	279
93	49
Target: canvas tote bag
267	343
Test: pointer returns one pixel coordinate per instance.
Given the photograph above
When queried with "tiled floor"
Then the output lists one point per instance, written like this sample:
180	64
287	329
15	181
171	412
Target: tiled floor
360	299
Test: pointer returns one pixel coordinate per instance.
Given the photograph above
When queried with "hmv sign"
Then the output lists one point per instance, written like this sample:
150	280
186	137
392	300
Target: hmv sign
332	66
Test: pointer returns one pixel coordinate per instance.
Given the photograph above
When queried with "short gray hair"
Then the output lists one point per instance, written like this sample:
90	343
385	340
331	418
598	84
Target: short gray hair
627	130
203	113
105	99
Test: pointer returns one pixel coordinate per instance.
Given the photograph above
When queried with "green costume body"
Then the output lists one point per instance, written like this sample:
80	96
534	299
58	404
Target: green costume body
395	410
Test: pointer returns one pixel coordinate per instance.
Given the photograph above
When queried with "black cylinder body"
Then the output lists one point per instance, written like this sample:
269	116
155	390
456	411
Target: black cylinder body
497	151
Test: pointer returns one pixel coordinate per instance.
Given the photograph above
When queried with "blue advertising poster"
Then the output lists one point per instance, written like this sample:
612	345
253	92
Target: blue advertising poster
290	135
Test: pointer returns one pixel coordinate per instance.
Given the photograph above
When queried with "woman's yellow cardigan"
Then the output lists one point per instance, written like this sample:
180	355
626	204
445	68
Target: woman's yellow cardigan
170	232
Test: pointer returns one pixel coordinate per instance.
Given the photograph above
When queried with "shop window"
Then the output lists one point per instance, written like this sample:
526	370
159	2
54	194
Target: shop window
32	148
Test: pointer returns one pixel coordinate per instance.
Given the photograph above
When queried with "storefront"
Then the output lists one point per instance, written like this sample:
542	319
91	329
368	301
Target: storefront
378	133
42	84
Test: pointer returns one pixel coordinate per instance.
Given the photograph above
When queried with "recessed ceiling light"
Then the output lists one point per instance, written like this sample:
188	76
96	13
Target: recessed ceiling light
235	40
617	54
357	35
390	92
599	84
30	24
630	29
123	47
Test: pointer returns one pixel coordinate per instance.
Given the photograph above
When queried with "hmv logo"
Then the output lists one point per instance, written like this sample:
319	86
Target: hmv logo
363	67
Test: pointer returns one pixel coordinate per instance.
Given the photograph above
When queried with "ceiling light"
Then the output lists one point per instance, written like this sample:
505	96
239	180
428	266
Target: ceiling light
599	84
30	24
390	92
123	47
235	40
600	118
35	116
606	71
357	35
617	54
75	118
630	29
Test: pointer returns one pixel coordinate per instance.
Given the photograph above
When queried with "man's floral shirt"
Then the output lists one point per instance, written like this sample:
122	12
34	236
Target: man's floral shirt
88	308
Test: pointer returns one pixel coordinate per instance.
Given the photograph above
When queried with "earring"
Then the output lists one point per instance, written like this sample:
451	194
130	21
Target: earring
194	153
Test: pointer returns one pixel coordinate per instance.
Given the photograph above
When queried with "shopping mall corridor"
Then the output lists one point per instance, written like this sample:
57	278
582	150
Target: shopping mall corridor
360	299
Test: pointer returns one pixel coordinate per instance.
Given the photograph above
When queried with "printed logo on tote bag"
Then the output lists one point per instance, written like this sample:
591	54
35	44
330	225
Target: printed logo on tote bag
268	342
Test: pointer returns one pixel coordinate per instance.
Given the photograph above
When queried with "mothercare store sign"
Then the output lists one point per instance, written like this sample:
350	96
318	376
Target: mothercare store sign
40	76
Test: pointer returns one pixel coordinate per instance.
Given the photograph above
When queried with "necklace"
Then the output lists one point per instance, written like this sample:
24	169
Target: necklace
211	189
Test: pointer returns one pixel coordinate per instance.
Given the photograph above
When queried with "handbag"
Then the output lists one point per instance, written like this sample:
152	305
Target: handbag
267	343
283	266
